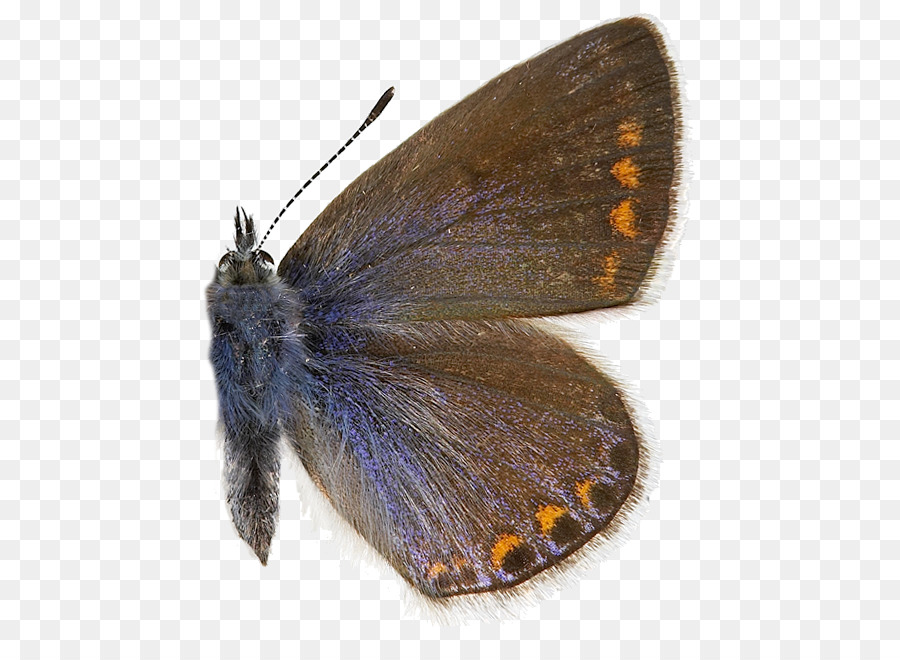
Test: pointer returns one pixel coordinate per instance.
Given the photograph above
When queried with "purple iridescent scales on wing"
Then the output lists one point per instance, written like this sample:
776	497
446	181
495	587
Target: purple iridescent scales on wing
471	449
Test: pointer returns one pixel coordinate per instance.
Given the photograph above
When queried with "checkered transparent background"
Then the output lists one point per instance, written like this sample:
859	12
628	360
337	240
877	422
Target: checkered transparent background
128	134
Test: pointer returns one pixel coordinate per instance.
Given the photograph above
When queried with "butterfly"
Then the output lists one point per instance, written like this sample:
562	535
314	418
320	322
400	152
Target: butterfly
393	350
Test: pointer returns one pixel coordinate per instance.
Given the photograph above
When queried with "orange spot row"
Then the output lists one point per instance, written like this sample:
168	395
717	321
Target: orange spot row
547	516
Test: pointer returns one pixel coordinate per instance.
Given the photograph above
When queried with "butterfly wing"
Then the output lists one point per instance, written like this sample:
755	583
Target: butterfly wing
547	191
471	456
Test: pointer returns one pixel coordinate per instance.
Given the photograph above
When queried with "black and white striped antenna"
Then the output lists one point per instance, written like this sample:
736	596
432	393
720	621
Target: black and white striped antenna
377	110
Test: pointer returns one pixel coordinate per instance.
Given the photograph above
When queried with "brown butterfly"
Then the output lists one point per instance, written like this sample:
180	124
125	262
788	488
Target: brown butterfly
471	449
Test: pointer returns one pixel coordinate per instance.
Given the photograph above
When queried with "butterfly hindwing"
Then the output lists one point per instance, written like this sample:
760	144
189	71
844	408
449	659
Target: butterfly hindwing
471	456
555	185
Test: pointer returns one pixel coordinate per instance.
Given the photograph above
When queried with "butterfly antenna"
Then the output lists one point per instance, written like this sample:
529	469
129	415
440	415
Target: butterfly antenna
377	110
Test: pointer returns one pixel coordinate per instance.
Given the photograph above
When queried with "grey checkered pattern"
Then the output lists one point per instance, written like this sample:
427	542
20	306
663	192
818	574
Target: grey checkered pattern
128	135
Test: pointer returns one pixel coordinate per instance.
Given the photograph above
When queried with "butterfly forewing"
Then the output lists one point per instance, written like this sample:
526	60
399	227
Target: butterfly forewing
547	191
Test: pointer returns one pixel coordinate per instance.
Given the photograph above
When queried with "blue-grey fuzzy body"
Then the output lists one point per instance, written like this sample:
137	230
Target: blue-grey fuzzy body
255	346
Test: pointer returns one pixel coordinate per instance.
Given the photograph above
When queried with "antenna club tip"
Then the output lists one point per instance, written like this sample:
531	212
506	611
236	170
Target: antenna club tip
380	106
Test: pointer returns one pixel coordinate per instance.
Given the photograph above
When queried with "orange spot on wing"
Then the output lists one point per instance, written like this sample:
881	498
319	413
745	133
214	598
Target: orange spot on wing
630	133
504	545
626	172
583	490
622	218
437	569
607	281
547	515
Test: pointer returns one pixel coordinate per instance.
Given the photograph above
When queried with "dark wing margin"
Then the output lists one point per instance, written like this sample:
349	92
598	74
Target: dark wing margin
471	456
549	190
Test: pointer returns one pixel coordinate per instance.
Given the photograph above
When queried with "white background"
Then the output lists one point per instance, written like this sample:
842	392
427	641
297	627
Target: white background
127	136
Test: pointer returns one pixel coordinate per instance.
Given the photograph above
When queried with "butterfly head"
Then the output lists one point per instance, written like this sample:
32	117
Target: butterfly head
244	265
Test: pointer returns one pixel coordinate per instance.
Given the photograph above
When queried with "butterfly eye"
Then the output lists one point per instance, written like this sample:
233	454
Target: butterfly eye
224	260
265	256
